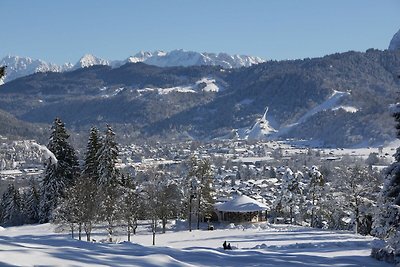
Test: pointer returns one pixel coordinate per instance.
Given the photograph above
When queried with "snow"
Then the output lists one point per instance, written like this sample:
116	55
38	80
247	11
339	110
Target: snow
46	153
330	103
21	66
209	85
205	84
349	109
261	129
241	204
254	245
89	60
180	57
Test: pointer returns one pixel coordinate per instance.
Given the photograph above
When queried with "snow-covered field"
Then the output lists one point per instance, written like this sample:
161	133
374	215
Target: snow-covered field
259	245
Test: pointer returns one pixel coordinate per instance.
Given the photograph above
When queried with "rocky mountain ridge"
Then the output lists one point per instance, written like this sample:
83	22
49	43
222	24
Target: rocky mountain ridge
23	66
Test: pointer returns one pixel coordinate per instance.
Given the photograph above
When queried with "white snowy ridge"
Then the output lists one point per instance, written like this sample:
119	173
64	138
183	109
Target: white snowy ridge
205	84
23	66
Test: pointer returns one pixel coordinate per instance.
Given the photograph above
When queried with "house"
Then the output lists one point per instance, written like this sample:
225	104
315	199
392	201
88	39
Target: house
241	209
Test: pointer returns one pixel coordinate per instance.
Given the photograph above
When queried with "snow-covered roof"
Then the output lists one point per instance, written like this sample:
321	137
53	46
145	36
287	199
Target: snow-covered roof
241	204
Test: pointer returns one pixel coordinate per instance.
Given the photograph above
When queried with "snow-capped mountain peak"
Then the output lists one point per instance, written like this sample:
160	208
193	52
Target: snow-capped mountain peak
395	42
22	66
90	60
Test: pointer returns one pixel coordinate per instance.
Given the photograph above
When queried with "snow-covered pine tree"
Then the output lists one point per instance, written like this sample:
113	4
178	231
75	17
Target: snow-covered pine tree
315	196
386	223
109	182
291	193
11	206
107	158
60	176
91	163
31	203
87	184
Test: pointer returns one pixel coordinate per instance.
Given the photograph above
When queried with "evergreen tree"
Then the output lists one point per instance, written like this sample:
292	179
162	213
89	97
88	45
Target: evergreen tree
87	185
387	218
109	192
2	71
107	158
11	206
290	197
91	163
60	176
31	203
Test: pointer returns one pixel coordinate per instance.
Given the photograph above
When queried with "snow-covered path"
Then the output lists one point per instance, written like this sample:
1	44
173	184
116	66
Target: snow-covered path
260	246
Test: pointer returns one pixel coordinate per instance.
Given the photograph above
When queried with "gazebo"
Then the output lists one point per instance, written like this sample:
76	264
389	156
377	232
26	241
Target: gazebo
241	209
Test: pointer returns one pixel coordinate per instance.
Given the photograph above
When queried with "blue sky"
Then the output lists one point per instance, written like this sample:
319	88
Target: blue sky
63	30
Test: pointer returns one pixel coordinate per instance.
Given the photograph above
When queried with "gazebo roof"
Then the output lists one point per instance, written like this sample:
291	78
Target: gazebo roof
241	204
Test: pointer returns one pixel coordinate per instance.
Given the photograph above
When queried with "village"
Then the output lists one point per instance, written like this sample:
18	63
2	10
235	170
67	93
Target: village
247	175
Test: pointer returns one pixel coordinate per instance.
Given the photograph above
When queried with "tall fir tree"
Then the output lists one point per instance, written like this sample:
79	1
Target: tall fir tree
11	206
86	186
91	163
107	158
31	199
386	223
60	176
109	182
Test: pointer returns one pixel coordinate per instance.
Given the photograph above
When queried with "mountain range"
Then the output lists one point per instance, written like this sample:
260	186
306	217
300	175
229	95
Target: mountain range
341	99
22	66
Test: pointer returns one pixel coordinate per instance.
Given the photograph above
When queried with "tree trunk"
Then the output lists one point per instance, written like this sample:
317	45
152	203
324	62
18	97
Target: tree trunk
80	231
72	230
198	213
357	213
129	233
154	231
164	223
88	229
291	215
312	210
190	214
110	231
135	224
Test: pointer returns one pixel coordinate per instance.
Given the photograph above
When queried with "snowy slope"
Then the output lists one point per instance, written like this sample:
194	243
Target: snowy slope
261	129
395	42
330	103
254	245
